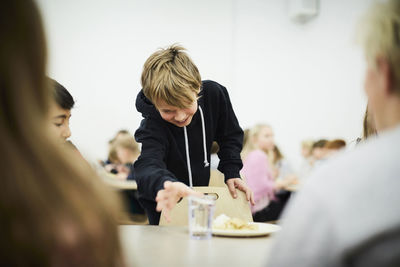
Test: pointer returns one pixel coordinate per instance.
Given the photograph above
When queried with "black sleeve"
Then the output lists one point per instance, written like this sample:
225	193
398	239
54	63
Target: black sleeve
150	170
229	137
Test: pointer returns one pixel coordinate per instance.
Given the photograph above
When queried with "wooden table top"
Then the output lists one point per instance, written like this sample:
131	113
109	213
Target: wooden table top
146	245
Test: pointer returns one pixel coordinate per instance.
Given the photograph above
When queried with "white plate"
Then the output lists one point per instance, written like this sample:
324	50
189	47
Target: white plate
263	229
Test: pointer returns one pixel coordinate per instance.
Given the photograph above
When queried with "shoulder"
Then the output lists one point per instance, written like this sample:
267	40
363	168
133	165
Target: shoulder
213	88
259	154
256	157
361	166
150	127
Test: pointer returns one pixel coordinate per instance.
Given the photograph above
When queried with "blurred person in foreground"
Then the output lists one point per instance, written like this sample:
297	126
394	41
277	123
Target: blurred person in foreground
347	213
52	213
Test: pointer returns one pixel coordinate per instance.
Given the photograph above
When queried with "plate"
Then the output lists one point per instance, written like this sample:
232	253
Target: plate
263	229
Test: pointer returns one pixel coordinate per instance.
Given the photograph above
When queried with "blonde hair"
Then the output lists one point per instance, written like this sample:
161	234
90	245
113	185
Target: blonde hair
251	136
127	142
170	75
379	34
307	144
53	210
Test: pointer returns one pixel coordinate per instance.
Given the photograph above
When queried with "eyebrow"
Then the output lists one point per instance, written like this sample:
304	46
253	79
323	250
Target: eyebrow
60	117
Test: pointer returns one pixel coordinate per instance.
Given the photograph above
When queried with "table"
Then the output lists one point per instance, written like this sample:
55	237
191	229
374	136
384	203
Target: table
112	180
147	245
122	185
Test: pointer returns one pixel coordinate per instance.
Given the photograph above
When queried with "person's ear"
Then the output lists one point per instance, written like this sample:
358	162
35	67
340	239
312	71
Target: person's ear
385	75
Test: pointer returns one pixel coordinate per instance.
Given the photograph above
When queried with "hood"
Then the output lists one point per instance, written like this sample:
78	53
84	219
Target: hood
146	107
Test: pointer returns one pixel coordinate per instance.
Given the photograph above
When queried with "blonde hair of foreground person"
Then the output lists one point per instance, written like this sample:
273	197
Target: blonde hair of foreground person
52	210
379	35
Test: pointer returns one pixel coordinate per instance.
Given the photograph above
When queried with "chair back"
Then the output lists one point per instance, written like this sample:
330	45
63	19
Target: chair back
224	204
217	179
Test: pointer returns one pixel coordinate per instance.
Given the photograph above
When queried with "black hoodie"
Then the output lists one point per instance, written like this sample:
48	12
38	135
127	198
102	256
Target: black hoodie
163	156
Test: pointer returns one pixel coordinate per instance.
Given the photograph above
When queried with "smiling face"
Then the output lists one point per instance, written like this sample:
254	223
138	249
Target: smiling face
178	116
59	122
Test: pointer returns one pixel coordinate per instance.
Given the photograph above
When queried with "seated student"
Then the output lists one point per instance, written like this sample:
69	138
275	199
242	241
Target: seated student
286	176
182	117
214	157
258	173
318	152
334	146
60	110
111	161
126	151
347	214
307	160
60	114
51	212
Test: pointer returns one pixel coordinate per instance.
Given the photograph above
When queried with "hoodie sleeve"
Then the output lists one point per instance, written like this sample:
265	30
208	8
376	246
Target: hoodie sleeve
150	170
229	137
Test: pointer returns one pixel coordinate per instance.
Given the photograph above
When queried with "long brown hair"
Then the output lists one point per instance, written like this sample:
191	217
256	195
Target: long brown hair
53	210
369	128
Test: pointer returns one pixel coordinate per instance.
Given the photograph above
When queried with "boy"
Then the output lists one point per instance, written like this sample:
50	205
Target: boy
60	111
182	117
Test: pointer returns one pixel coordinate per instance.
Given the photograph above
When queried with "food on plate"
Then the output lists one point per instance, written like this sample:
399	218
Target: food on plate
223	222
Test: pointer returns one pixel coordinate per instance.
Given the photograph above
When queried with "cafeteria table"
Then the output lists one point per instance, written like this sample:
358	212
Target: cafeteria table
148	245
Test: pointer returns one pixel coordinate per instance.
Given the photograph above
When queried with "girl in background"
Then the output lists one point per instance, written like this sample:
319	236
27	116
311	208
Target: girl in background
258	173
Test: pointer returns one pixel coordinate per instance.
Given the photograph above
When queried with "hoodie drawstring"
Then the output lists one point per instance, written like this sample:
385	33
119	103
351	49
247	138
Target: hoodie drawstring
187	157
203	127
206	164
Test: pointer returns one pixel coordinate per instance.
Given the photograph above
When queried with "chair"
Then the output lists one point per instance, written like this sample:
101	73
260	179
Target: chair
225	204
217	179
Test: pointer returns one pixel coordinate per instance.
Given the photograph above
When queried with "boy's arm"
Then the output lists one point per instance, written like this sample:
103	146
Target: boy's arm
229	138
150	170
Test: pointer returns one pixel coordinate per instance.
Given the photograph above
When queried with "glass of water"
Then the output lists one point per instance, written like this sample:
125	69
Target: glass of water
201	211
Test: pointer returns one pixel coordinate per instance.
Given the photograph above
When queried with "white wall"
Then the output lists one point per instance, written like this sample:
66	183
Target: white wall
304	80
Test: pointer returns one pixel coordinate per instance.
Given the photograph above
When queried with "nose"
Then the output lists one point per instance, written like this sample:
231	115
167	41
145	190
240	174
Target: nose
66	133
180	115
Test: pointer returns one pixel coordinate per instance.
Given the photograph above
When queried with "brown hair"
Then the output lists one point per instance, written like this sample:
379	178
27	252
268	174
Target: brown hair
214	148
170	75
53	210
277	155
335	144
319	144
368	125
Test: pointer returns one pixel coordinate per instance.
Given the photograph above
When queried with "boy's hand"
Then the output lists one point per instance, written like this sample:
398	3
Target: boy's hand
171	194
238	183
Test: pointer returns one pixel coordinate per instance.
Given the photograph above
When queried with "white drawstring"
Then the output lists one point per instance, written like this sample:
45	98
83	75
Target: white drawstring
203	127
188	157
206	164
